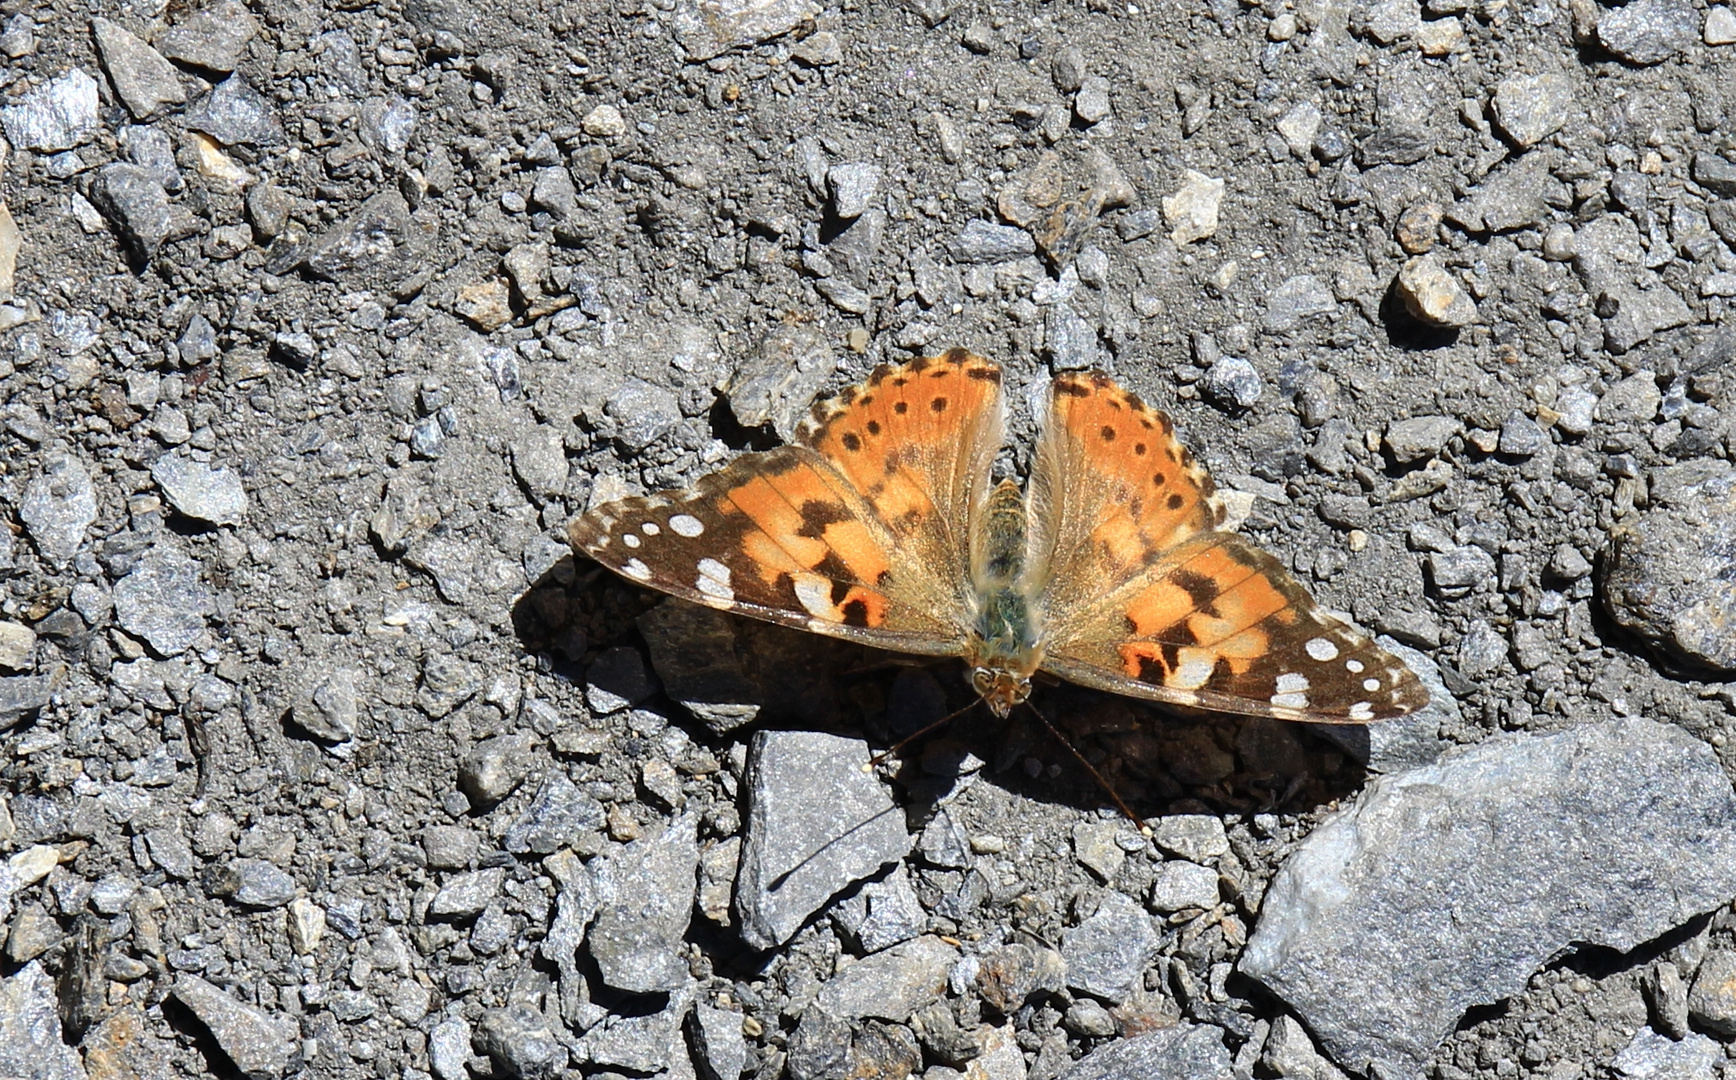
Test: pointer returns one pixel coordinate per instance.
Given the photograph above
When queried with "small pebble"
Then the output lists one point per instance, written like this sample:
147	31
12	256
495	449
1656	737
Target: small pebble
1433	295
604	122
1418	226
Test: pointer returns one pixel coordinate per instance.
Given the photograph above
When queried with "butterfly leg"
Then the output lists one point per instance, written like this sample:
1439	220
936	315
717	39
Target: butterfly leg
1108	789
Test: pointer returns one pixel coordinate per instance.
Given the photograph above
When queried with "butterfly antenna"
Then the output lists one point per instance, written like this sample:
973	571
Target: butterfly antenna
890	751
1108	789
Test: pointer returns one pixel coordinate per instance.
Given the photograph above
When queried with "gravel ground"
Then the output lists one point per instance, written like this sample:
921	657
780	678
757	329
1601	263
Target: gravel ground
324	757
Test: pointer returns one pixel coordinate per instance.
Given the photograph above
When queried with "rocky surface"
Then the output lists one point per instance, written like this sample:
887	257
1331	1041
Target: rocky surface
320	755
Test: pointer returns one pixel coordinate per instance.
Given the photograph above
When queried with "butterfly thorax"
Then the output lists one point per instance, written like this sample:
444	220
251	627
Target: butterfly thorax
1005	646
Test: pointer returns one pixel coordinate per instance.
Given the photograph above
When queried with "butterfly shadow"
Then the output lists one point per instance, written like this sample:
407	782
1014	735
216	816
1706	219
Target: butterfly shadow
728	672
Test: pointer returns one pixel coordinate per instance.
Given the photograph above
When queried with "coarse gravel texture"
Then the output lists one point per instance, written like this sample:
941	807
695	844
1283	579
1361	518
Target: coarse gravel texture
324	757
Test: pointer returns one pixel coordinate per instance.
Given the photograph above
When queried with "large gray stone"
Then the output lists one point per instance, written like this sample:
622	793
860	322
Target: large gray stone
1183	1052
891	985
1665	571
261	1045
816	824
163	600
58	507
30	1039
1108	952
647	901
1449	885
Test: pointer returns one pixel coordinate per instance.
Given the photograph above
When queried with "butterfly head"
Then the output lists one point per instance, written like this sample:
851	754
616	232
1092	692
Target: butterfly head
1000	689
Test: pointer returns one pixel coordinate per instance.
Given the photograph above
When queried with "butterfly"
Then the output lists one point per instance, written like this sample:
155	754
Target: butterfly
881	524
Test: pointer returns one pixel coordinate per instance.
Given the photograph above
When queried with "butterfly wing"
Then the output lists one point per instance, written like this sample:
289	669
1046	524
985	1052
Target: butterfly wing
1174	610
859	531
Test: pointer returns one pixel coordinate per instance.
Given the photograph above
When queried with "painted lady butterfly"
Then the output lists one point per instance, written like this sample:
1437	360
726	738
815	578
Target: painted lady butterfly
882	525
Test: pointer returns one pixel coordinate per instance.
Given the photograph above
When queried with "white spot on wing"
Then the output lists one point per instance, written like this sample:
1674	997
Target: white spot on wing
650	528
1321	649
636	570
686	525
1290	701
713	580
1292	683
1353	666
1362	710
630	540
1191	674
815	594
1371	685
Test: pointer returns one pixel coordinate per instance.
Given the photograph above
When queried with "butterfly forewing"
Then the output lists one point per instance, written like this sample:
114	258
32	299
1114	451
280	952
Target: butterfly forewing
860	532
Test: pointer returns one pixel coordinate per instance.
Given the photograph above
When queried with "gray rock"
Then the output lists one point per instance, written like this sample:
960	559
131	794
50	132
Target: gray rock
493	768
518	1042
58	115
706	30
642	412
20	694
853	187
1290	1053
1233	383
539	459
1521	436
1567	564
1108	952
699	657
985	242
1513	197
646	901
558	814
1637	315
882	913
1530	108
891	984
1651	1056
777	383
450	847
262	1046
1607	834
1088	1018
1095	847
819	1047
145	81
1576	407
330	711
1091	103
253	882
449	1049
1663	572
718	1039
164	601
199	490
944	844
644	1044
816	823
212	37
30	1036
58	507
1481	650
1460	571
1071	340
235	114
1648	31
1183	1052
1714	173
618	679
1195	837
1177	885
1712	999
464	896
377	246
1296	299
170	851
1667	996
1419	438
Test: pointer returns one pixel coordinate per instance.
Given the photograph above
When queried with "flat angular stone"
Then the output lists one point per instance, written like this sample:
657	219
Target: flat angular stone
892	984
1108	952
212	37
164	601
58	115
201	491
1648	31
816	824
58	507
708	28
1651	1056
1183	1052
30	1036
646	891
262	1046
1607	834
1530	108
145	81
